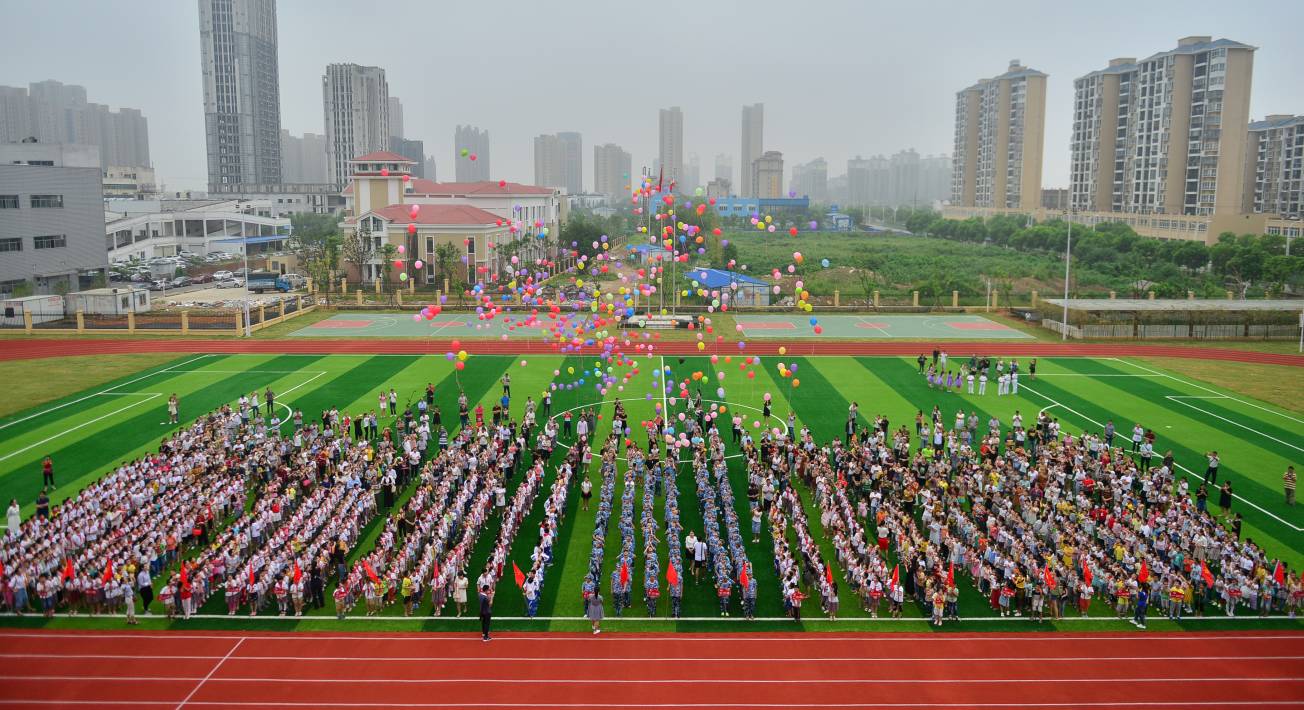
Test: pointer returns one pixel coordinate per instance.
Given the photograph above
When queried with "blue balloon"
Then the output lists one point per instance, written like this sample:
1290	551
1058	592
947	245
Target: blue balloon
813	321
824	263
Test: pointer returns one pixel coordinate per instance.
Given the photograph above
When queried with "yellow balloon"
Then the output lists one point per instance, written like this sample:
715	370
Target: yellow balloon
796	382
783	350
461	355
768	219
701	345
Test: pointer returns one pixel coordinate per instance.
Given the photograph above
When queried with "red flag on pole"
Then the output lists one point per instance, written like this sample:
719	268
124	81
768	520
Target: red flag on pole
298	573
108	571
1206	575
185	577
1279	574
434	576
896	575
624	573
371	573
253	579
950	575
1050	577
661	177
1086	573
672	575
68	572
520	576
1144	574
828	574
743	579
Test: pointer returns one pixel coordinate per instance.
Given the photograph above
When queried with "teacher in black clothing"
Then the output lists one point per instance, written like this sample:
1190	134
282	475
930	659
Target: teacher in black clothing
486	611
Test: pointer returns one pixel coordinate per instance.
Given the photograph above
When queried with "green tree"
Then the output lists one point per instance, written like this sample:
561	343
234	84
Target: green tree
315	244
357	249
446	258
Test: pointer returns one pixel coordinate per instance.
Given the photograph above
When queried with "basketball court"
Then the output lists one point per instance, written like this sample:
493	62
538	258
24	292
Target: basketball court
877	326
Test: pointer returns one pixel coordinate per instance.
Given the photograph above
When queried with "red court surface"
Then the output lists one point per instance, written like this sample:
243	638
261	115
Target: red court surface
59	669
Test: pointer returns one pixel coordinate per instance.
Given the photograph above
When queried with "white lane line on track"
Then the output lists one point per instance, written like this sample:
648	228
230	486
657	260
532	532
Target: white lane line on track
640	659
214	669
1239	680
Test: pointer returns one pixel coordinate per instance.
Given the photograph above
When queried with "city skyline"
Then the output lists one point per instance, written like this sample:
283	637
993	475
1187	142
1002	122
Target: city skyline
924	85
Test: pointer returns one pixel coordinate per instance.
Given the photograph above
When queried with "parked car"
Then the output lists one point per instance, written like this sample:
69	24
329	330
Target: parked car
158	285
295	280
202	279
180	281
222	275
231	283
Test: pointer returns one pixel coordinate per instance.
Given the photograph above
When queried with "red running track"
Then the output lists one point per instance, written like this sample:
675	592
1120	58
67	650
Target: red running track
20	349
52	669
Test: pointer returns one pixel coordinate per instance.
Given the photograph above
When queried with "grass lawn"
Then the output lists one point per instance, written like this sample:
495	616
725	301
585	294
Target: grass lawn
59	377
1256	438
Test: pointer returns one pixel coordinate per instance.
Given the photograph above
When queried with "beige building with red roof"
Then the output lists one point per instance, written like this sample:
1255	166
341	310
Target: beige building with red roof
488	222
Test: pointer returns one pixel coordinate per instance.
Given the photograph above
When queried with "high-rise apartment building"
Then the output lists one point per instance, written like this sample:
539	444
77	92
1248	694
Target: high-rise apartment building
903	178
692	178
414	150
396	119
1274	174
303	159
767	174
611	170
356	103
558	161
1164	135
475	141
671	144
753	134
53	112
242	95
811	180
999	131
724	167
934	179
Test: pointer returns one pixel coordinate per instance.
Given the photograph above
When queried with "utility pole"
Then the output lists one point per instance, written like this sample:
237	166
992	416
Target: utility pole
1068	258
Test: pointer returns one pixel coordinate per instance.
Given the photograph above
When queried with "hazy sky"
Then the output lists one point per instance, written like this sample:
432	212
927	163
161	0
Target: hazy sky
838	78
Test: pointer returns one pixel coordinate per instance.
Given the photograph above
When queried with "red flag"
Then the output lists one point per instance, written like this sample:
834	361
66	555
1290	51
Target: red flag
950	575
68	572
185	576
1050	577
108	571
1279	574
661	177
743	579
371	573
1086	573
298	573
253	579
1206	575
434	576
672	575
520	576
1144	574
896	576
624	573
828	574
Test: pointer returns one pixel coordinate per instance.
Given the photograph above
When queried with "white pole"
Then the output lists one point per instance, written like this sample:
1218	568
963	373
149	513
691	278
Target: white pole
248	328
1068	257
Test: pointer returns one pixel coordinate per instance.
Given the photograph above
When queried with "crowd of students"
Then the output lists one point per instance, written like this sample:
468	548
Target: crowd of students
1042	523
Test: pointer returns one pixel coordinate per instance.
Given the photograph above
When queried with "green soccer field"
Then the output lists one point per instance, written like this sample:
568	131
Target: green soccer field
88	433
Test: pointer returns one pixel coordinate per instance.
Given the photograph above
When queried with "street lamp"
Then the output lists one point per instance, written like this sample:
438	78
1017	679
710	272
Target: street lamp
1068	259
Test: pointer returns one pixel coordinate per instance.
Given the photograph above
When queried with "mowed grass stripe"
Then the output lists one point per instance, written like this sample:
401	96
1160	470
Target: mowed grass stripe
82	456
1266	531
1256	428
30	419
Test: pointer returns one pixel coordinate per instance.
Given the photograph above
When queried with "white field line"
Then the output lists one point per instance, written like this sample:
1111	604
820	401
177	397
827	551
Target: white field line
1179	398
517	704
640	659
96	394
1131	635
864	321
1124	625
1189	472
290	680
214	669
148	396
1157	373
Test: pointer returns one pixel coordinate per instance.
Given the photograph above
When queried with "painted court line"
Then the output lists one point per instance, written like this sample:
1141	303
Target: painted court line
1189	472
1178	399
96	394
643	681
641	659
206	678
1206	389
148	397
873	325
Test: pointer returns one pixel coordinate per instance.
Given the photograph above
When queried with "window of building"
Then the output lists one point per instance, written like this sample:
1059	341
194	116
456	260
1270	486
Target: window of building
8	202
52	241
11	244
47	201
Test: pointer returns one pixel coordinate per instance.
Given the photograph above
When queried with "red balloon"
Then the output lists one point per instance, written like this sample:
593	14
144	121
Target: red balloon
501	183
473	156
407	178
793	231
384	172
412	227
